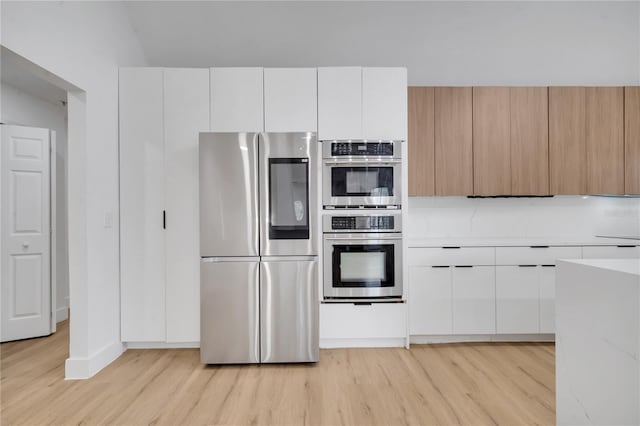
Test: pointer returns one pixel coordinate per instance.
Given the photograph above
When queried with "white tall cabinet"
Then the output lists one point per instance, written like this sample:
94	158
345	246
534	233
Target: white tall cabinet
161	113
142	201
186	113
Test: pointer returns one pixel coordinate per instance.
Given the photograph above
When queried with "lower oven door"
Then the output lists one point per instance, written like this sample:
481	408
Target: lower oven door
362	265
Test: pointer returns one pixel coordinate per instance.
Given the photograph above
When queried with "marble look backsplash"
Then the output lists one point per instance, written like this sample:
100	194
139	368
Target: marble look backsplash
560	216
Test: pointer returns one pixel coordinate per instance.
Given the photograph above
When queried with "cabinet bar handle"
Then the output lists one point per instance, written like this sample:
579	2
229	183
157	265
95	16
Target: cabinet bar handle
362	303
450	247
439	266
548	266
626	246
527	266
539	246
164	219
464	266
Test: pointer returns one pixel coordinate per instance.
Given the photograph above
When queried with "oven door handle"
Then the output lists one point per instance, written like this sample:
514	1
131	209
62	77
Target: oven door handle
379	161
368	238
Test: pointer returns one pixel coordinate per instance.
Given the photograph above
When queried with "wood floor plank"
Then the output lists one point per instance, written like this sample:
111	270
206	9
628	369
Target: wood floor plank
446	384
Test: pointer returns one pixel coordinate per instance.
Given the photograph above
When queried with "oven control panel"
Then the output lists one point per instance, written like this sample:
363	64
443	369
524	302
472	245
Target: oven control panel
340	149
362	223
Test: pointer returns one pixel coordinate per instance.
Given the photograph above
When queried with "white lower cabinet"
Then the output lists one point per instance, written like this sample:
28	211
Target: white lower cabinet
368	324
547	299
611	252
430	303
474	298
517	299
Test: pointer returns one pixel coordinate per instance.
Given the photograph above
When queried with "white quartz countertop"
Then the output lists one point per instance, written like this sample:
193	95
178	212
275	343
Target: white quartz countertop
520	242
628	266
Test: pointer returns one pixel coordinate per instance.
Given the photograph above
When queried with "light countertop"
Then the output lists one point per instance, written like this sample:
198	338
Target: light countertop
628	266
519	242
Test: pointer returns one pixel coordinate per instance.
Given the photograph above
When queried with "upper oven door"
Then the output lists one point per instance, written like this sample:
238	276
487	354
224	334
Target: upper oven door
361	183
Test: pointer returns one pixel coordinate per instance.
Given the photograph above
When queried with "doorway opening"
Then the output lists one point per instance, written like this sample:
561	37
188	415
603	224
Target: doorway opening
42	116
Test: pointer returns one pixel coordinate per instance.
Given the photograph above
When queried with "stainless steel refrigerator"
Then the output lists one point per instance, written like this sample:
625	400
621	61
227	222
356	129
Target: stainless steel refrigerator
258	293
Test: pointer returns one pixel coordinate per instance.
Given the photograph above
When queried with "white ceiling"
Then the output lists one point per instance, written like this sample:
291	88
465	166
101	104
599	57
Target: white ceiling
450	42
14	73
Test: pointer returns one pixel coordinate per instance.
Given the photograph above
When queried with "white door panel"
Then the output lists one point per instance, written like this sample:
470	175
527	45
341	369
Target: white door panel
430	302
547	299
474	298
26	238
142	192
290	100
517	299
186	113
237	100
384	103
340	103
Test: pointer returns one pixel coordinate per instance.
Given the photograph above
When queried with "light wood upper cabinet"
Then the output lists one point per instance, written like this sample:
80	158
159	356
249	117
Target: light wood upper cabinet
237	100
632	140
384	103
529	141
605	140
453	141
491	141
420	142
340	103
567	140
290	100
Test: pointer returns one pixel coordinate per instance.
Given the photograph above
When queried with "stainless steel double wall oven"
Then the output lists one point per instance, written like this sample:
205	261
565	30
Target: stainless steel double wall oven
362	224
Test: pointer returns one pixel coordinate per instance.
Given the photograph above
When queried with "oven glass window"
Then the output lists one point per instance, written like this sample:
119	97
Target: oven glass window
367	265
362	181
288	198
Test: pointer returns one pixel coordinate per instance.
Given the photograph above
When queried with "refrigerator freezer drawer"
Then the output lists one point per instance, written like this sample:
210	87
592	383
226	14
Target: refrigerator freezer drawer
289	311
229	319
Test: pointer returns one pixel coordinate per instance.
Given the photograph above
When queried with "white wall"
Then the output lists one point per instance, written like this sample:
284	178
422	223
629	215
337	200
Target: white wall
441	43
571	217
19	107
85	43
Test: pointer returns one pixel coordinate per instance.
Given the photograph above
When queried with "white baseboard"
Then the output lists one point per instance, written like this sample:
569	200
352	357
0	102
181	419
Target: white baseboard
393	342
62	314
421	340
84	368
161	345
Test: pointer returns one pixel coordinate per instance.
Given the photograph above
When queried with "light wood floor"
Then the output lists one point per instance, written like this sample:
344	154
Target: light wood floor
470	384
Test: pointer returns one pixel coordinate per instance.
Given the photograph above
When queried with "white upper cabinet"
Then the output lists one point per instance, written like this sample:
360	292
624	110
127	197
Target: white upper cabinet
362	103
237	103
186	113
384	103
290	100
340	103
142	189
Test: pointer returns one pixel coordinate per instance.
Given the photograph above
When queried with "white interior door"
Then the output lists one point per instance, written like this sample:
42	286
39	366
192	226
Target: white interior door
26	238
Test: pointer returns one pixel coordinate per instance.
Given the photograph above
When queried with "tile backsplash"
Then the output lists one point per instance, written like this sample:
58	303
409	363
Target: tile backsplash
560	216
